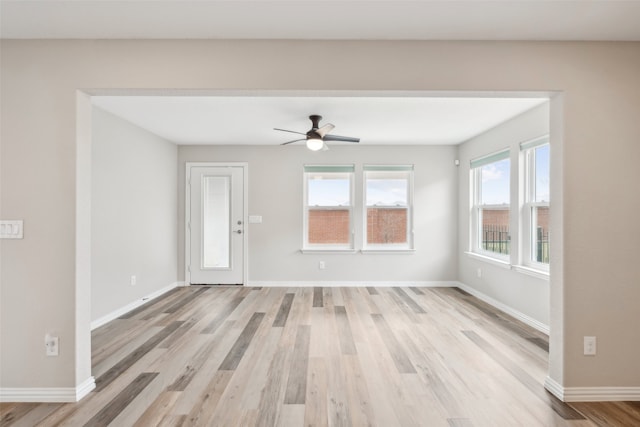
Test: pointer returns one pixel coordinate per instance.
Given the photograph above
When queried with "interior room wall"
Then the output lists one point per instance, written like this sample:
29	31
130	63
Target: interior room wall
134	214
597	158
275	193
524	293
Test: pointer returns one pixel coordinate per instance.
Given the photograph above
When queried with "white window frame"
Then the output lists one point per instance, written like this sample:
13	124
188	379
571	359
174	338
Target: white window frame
477	207
327	169
527	150
405	170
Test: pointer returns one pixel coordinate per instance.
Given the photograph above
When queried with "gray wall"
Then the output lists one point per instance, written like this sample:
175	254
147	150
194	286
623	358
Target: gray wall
44	165
527	294
275	192
133	213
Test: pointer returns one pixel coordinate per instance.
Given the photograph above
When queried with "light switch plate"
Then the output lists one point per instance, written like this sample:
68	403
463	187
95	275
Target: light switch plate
11	229
255	219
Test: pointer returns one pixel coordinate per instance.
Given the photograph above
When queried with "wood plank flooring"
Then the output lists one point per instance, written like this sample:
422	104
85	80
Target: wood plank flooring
234	356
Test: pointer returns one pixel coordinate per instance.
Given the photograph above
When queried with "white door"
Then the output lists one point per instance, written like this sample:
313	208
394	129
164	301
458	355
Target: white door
216	225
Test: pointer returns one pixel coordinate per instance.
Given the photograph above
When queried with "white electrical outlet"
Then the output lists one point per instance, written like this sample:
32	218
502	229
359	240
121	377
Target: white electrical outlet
321	265
51	343
479	272
589	346
133	280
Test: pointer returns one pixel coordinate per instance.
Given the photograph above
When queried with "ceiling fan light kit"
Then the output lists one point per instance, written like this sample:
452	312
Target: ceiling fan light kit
317	136
315	144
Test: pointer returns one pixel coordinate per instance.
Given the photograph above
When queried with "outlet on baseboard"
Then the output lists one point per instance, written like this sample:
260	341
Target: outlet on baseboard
134	280
322	265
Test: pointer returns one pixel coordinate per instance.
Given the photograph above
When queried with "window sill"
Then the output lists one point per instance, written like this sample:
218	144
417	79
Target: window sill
388	251
530	271
328	250
490	260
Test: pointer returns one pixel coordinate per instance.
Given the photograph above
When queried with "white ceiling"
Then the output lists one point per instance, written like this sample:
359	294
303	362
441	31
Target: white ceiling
377	120
313	19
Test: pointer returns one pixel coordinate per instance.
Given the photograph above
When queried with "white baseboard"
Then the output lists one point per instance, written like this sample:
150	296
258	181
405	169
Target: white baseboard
554	388
48	394
592	394
503	307
133	305
85	388
348	284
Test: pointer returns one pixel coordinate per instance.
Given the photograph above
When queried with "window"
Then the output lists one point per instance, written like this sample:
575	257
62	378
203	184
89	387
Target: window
491	205
328	208
536	208
388	207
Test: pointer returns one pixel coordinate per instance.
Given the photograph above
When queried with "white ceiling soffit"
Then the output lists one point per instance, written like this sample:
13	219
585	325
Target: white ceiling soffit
249	120
328	20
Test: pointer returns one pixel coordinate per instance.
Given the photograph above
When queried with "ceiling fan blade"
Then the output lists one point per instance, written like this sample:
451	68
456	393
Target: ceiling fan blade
325	130
291	131
340	138
291	142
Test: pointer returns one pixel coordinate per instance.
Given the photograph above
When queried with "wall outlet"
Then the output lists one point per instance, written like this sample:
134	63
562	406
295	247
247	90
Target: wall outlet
479	272
589	346
321	265
134	280
51	344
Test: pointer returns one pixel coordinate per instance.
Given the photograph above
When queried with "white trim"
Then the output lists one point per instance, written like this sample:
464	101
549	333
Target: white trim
48	394
505	308
387	251
529	271
522	269
85	388
350	284
554	388
328	250
592	394
133	305
490	260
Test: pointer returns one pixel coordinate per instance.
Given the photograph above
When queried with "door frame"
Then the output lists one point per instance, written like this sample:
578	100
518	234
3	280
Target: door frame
245	215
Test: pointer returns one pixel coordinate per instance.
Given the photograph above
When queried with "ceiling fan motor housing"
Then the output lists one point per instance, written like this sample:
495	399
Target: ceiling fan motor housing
315	120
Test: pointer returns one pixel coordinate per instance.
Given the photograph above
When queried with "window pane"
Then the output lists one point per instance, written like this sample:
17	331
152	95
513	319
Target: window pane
385	225
389	190
387	201
328	226
215	222
540	234
329	189
541	193
495	183
495	235
329	208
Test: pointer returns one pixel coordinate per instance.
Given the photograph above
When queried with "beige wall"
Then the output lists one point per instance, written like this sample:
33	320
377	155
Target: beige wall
594	290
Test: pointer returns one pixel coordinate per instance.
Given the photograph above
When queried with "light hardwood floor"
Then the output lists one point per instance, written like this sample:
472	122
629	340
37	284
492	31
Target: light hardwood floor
233	356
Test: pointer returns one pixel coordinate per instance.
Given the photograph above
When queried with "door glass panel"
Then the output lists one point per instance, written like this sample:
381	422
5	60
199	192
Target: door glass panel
215	222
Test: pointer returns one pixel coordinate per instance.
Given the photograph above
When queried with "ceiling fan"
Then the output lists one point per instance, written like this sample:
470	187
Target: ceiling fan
317	136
